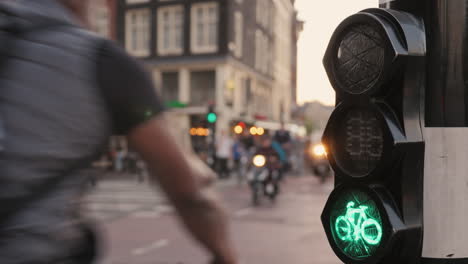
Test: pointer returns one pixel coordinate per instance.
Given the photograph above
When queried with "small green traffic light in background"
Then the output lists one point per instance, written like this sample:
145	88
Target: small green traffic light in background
356	225
211	118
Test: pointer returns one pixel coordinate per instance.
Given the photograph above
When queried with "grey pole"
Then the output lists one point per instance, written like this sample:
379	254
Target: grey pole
446	135
444	128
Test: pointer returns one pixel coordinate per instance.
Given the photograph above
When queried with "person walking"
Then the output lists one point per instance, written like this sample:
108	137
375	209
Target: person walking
64	90
223	154
238	155
120	157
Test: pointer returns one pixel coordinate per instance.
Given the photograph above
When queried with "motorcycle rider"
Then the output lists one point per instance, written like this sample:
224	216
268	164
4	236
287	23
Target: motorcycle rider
272	155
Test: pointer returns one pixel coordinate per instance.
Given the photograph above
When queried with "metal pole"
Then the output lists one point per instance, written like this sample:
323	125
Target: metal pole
446	166
446	152
446	22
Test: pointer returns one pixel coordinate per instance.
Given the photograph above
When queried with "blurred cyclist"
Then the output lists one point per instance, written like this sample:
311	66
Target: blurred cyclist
268	150
63	91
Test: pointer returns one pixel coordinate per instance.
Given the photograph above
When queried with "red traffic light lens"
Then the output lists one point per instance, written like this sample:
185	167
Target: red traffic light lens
360	59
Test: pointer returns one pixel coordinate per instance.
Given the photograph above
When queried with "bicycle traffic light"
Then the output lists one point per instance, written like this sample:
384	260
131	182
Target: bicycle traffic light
375	63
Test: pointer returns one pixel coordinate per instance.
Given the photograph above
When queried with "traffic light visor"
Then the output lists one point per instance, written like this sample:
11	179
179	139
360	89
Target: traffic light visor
360	59
361	56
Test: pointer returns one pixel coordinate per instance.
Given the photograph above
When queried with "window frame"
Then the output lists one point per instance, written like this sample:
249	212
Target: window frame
206	46
141	30
238	34
173	25
133	2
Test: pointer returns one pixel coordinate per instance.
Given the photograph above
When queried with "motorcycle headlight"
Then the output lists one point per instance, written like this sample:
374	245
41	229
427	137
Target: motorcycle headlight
319	150
259	160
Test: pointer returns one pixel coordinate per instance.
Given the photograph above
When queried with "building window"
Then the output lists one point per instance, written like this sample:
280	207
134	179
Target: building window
99	18
239	33
262	52
263	9
202	87
170	30
170	87
136	1
258	49
204	28
102	23
137	33
266	55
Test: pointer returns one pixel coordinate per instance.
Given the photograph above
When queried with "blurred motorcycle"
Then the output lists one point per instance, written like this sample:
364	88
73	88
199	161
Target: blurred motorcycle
318	162
264	178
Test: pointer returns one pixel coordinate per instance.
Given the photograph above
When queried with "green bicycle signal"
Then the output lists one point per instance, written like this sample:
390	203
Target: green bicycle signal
356	225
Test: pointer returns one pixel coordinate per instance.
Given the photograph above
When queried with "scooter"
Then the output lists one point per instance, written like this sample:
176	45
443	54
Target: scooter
318	162
264	178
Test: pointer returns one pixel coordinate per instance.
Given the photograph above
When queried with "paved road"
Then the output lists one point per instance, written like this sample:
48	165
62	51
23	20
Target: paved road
139	226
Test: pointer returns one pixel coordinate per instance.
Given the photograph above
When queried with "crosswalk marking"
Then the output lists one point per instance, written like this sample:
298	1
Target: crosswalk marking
151	247
243	212
116	198
113	199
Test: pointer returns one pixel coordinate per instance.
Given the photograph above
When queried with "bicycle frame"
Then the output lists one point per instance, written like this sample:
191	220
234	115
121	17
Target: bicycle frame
353	225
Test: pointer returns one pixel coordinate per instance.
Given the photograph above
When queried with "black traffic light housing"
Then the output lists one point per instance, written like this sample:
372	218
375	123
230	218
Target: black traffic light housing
376	64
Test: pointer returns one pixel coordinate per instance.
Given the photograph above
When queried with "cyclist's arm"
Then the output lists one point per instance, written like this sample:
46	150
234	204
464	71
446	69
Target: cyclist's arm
181	175
136	111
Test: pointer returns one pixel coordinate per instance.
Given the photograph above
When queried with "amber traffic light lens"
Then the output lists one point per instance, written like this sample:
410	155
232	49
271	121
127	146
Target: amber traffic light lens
359	142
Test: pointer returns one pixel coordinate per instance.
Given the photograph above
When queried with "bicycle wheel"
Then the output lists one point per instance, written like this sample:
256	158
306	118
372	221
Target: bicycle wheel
343	229
371	232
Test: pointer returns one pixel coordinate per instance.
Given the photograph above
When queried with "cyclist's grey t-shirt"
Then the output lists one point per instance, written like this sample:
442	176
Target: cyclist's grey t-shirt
63	92
127	88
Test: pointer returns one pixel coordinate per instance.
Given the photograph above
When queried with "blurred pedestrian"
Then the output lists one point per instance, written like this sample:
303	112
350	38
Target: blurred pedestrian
131	162
297	155
223	154
142	172
119	162
63	89
238	154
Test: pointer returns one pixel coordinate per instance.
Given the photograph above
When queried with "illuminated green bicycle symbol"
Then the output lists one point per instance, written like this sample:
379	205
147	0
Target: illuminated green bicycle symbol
355	226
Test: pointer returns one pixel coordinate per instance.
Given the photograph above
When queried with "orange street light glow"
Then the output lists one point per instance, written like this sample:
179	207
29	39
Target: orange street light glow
200	132
260	131
253	131
238	129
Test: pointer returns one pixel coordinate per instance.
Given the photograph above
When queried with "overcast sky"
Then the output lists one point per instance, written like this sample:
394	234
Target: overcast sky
321	17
